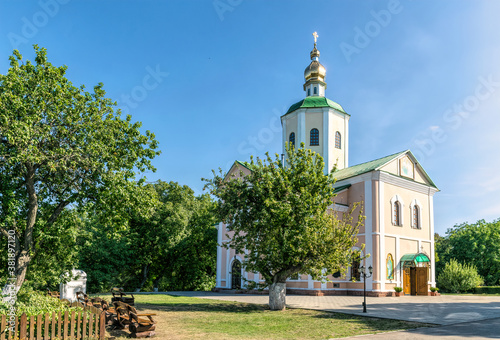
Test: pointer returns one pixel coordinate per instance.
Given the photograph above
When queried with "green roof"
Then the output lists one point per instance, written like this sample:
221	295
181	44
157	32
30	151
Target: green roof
376	164
362	168
417	257
244	164
339	189
316	101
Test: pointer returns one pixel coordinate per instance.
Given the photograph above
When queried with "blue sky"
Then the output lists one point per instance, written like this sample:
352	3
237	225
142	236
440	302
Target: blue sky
210	78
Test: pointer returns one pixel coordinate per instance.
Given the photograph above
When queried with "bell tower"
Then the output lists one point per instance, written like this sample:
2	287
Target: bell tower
318	122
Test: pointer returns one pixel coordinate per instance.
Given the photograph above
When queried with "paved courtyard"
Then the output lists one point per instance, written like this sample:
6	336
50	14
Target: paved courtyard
440	310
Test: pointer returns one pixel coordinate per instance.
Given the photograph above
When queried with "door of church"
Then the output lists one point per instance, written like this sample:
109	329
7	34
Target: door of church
236	275
406	281
421	278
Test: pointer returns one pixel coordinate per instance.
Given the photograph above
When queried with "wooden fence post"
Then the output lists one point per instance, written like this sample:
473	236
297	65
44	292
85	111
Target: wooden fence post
3	327
23	327
102	330
65	335
39	319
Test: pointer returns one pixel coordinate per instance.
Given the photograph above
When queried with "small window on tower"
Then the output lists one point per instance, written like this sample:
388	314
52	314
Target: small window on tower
314	137
291	139
308	92
315	90
338	140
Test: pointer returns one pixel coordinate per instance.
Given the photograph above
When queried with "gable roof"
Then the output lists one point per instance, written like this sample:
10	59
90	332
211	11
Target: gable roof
316	101
377	164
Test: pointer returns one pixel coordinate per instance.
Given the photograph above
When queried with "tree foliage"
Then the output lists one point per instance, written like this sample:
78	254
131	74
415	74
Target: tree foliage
61	146
167	242
279	219
459	278
477	244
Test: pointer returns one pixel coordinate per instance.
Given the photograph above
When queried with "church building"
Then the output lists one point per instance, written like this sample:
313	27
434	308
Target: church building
396	193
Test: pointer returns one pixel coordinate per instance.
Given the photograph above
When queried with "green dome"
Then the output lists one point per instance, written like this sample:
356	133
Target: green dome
316	101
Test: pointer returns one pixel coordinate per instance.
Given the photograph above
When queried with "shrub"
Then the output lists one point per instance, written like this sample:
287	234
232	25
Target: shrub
487	290
434	289
34	302
458	278
398	289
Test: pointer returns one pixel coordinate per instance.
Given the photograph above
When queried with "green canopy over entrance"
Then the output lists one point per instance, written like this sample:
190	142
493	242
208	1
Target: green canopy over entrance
415	258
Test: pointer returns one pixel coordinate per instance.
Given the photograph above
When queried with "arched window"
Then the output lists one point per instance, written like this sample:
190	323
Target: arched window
314	137
397	213
315	90
416	211
236	275
291	139
390	267
355	274
308	92
397	206
338	140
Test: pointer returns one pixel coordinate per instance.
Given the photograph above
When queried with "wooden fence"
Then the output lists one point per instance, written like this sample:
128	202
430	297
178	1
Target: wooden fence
82	325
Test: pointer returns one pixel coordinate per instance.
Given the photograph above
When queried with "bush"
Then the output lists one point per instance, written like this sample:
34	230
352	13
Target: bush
34	302
398	289
434	289
487	290
459	278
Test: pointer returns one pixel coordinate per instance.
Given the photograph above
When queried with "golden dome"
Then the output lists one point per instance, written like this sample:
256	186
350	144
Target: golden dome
315	71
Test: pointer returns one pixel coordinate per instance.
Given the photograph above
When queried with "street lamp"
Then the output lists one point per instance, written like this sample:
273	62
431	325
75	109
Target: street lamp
362	270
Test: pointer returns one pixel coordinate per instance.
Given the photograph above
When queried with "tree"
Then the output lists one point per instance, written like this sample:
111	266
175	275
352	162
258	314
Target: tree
60	147
458	278
281	222
477	244
162	231
191	264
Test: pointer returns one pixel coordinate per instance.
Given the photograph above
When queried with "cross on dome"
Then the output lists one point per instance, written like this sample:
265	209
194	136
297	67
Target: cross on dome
315	35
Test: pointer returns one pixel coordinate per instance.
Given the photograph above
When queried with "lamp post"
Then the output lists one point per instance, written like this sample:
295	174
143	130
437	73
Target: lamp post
362	270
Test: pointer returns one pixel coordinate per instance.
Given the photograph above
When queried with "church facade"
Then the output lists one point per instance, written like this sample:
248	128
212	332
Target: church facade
395	191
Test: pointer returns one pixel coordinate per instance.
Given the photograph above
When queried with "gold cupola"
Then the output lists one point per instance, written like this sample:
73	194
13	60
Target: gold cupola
315	74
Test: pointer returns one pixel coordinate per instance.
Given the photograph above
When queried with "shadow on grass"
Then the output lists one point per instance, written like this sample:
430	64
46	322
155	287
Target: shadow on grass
204	307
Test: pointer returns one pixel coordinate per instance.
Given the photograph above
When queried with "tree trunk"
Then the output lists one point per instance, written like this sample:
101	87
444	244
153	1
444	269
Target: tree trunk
145	272
156	283
277	296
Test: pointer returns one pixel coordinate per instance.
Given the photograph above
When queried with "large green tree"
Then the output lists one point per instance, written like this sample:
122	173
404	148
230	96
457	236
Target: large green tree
61	146
179	221
477	244
281	221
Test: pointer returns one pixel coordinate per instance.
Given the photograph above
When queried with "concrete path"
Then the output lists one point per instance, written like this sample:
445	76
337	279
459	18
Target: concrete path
439	310
484	329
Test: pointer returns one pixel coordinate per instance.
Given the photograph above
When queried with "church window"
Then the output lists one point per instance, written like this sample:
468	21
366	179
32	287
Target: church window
355	274
397	213
314	137
308	92
315	90
397	206
291	139
415	214
236	275
338	140
390	267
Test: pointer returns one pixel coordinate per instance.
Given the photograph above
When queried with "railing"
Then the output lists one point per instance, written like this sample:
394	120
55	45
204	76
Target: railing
74	325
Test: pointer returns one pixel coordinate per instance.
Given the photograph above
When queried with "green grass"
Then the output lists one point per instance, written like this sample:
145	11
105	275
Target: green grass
193	318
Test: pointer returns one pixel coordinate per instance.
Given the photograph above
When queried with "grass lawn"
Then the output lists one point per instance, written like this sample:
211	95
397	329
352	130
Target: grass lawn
193	318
